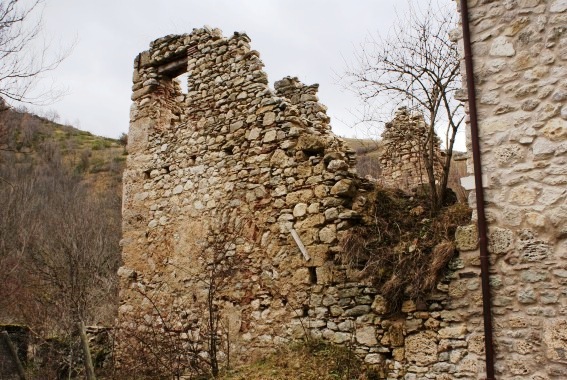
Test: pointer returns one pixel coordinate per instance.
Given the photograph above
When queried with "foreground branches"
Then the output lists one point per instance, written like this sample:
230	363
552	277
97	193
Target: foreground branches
58	235
24	57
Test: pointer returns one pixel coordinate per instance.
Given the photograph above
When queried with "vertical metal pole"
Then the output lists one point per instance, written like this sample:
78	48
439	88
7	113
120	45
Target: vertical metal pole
481	217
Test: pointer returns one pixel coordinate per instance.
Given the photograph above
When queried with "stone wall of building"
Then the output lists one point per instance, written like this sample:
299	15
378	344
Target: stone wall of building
402	161
231	169
520	63
221	178
218	181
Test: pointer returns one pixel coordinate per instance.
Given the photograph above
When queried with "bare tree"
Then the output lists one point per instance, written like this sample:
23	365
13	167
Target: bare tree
415	66
58	243
24	57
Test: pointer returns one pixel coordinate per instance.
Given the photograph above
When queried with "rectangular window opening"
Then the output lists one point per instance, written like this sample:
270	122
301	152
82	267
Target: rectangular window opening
183	80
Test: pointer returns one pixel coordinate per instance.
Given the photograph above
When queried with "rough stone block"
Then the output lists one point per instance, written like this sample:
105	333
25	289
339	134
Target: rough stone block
379	305
528	3
454	332
421	348
310	221
408	306
502	47
523	195
374	359
336	165
311	144
500	240
299	196
466	238
301	276
396	332
279	159
531	248
344	188
366	336
555	130
299	210
357	311
269	119
328	234
341	337
319	254
555	339
558	6
535	219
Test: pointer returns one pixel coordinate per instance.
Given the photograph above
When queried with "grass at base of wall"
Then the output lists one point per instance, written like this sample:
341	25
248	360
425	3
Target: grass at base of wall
310	360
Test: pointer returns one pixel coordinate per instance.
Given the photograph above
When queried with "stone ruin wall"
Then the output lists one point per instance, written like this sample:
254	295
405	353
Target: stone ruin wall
230	158
520	63
234	155
234	158
402	165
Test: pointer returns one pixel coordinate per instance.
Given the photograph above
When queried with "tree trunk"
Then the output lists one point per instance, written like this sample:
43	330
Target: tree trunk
430	166
89	369
446	168
14	354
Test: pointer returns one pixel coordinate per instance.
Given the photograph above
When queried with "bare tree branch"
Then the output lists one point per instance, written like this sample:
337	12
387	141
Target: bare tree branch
24	55
415	66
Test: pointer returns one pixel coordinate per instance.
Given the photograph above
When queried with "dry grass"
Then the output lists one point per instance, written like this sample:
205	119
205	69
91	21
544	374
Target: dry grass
311	360
402	248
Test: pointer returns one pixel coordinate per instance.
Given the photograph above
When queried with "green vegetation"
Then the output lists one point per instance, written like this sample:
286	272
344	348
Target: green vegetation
25	138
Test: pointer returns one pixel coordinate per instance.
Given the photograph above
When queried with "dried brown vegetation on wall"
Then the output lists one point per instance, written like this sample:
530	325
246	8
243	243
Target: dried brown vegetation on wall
404	247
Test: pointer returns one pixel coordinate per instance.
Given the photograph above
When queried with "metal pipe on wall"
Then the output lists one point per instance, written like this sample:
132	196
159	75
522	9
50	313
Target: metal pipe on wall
481	217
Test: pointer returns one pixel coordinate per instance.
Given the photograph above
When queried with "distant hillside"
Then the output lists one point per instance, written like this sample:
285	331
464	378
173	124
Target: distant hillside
25	137
364	146
368	152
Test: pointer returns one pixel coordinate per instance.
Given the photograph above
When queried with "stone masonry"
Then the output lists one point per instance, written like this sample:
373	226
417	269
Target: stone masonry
231	170
233	157
402	162
520	62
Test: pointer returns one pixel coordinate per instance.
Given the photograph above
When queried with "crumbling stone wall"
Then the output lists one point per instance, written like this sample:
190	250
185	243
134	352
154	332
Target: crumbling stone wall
402	162
231	168
230	158
520	63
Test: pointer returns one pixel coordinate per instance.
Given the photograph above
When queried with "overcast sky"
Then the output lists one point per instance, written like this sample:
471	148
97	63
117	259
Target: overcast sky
310	39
